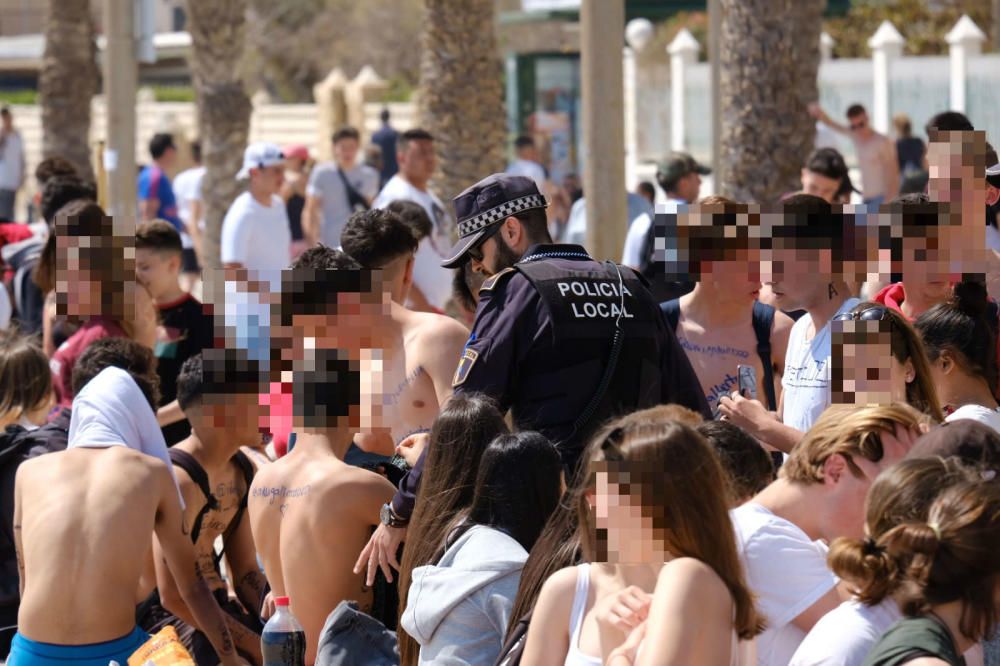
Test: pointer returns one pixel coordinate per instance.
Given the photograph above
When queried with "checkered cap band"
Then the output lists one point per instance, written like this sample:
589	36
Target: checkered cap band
499	213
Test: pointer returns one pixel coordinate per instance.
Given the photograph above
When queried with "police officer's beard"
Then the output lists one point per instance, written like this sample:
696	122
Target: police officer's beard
325	386
506	257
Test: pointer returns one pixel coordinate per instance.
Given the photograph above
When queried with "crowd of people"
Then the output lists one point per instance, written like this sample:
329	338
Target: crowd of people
426	449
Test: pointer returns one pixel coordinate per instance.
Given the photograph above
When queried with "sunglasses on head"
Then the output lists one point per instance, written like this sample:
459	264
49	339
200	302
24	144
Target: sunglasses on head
878	313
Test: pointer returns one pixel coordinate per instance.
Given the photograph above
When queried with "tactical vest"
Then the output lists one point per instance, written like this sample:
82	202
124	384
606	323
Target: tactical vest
584	300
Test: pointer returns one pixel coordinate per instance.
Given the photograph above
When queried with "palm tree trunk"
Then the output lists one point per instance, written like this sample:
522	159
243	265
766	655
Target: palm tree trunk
68	82
769	60
461	93
217	33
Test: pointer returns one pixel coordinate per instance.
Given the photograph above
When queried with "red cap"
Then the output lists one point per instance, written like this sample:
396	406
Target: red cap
281	601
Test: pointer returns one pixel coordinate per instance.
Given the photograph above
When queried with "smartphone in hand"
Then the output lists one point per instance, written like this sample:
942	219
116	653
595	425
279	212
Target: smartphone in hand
746	381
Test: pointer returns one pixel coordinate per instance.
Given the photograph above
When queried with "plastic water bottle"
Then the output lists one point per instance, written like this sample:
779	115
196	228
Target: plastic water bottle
283	641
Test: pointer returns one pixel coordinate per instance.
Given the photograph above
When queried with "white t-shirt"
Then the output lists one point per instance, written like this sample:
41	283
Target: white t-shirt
984	415
532	170
433	280
806	381
787	572
325	183
257	236
187	189
845	635
11	162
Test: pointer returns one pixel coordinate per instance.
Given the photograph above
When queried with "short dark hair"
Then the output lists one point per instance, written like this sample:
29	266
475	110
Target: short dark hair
224	371
524	141
377	236
158	235
536	224
346	132
647	188
855	110
132	357
159	144
414	216
315	280
811	223
384	114
60	190
5	110
827	162
948	121
748	466
196	151
416	134
54	166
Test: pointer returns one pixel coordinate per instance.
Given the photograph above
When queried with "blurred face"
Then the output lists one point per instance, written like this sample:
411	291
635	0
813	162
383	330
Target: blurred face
796	277
168	158
859	124
268	180
418	161
345	152
689	187
620	515
866	373
157	271
8	121
819	185
237	414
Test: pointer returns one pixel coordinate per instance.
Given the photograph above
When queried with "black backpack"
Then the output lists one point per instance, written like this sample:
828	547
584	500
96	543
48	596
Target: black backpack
186	462
763	319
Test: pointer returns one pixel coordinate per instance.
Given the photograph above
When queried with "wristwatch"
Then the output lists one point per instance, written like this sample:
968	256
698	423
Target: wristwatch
389	517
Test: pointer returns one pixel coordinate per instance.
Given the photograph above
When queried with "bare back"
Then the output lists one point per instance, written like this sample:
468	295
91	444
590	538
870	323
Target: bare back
311	515
86	518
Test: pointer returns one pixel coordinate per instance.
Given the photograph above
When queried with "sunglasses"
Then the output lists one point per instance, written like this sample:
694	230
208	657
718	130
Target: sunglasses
476	251
857	126
878	313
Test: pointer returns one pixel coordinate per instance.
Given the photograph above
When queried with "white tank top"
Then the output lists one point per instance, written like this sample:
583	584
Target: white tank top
573	656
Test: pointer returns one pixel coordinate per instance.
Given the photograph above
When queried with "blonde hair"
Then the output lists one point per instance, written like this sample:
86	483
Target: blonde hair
848	431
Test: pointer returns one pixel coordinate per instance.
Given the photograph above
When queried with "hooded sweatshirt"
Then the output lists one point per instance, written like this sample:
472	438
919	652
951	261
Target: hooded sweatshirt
458	609
111	411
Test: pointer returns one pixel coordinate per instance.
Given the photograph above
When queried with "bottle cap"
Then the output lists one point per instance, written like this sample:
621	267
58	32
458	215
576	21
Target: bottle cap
281	601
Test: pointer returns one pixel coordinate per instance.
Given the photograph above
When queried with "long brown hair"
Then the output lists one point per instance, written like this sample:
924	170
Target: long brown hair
675	476
900	494
905	345
25	377
462	431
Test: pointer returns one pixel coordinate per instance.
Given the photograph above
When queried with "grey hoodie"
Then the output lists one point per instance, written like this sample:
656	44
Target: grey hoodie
458	609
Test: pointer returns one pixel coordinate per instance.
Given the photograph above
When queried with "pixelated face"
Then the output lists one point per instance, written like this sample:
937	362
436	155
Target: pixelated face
956	166
620	516
345	151
794	274
326	391
736	271
157	271
419	160
79	284
864	370
819	185
238	414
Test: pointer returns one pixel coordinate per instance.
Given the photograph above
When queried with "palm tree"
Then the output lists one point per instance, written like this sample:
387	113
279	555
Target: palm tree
768	64
68	81
461	93
217	33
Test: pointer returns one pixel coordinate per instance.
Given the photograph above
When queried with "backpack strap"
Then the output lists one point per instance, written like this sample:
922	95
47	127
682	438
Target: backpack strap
672	311
186	462
247	468
763	320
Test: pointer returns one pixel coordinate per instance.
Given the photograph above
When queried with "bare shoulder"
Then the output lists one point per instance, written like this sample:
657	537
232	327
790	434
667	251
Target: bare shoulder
439	328
560	587
355	489
926	661
687	576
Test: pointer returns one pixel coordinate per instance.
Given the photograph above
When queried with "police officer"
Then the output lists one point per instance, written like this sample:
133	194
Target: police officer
563	341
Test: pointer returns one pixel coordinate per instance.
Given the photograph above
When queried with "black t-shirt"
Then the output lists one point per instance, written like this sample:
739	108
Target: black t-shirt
185	330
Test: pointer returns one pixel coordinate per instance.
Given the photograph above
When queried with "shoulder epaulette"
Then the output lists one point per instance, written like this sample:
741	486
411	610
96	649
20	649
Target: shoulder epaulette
493	280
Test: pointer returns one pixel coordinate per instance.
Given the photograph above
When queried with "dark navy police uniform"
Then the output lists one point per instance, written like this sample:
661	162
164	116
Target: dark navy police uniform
546	329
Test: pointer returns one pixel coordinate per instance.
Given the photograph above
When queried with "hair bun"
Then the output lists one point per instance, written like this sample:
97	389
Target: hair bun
970	297
913	538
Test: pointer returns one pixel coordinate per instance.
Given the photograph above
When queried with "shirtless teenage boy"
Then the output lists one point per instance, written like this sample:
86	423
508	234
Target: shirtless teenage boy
82	522
217	391
715	322
419	351
310	512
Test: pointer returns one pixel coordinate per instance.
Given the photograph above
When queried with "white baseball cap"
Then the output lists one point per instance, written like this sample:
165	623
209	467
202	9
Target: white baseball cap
260	156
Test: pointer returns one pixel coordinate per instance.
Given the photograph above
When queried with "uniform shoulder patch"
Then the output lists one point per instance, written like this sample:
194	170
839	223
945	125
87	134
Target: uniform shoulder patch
469	358
492	281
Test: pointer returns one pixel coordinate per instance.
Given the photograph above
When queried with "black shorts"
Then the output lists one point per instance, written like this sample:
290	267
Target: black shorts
189	261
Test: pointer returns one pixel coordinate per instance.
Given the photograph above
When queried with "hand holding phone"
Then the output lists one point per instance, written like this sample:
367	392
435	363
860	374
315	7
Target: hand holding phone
746	381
